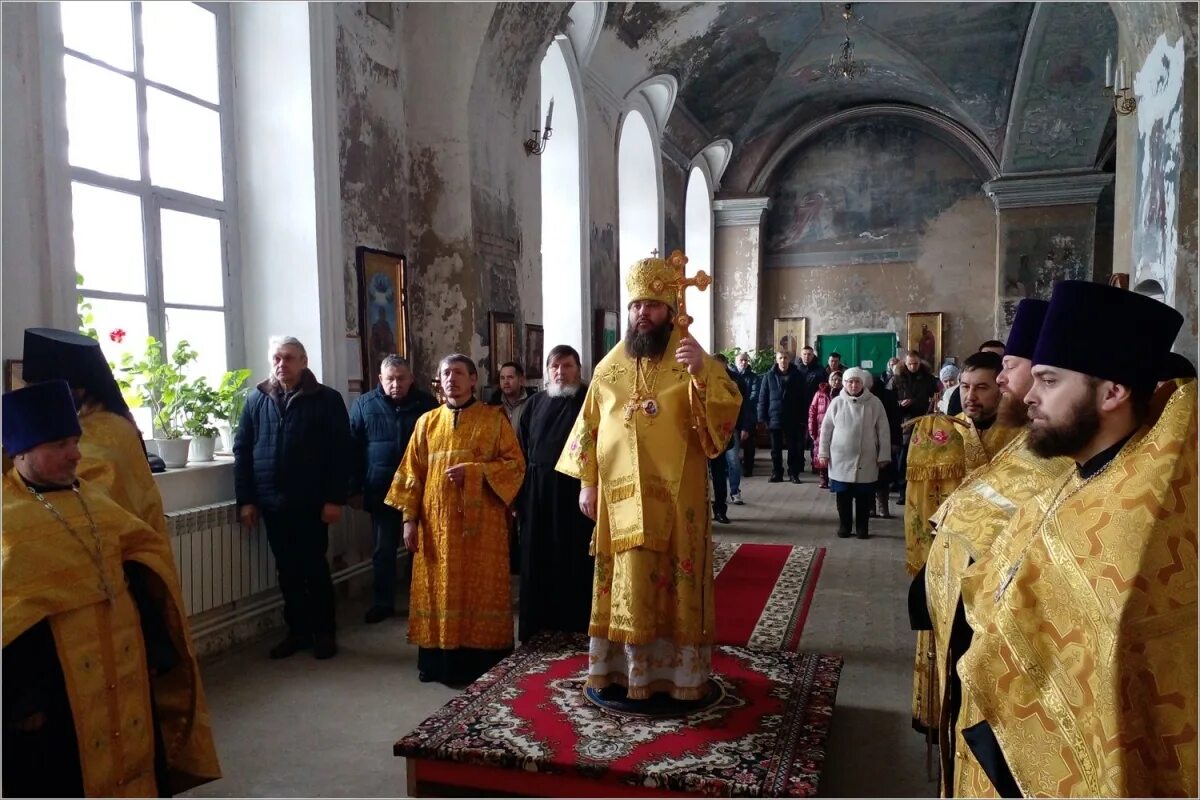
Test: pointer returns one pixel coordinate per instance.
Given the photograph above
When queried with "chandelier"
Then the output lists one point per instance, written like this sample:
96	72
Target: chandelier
842	64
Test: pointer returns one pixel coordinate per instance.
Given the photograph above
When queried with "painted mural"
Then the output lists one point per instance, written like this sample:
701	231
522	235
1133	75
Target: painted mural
1159	88
863	193
1036	257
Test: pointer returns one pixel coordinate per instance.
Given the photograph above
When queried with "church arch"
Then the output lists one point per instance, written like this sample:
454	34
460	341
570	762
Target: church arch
563	193
940	126
639	195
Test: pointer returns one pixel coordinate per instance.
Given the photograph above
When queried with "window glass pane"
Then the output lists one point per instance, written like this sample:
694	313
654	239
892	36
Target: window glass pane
101	120
205	332
181	47
121	327
185	145
109	246
102	30
191	259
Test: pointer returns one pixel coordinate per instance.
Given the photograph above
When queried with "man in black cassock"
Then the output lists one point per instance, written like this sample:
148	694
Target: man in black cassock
556	569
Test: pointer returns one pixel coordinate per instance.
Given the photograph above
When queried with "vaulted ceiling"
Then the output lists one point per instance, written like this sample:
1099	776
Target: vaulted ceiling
1024	79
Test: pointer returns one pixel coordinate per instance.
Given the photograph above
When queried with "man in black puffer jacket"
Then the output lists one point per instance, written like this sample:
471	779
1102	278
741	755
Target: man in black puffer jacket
291	464
381	423
779	396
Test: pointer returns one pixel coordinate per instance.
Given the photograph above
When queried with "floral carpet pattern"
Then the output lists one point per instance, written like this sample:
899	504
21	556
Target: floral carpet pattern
765	738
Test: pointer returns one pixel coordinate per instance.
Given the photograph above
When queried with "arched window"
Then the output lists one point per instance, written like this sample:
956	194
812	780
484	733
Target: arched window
562	262
637	195
697	238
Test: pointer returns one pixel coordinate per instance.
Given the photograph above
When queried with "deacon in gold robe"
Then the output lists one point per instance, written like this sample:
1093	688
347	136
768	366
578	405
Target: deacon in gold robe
461	471
966	526
1081	673
941	452
102	692
114	457
657	409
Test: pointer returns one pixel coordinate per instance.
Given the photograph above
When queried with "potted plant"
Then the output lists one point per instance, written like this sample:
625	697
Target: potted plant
227	409
201	404
161	385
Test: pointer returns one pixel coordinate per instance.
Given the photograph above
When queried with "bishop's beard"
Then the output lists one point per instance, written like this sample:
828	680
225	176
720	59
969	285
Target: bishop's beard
647	344
562	389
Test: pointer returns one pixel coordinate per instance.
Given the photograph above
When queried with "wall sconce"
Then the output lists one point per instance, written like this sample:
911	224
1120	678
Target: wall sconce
533	147
1123	100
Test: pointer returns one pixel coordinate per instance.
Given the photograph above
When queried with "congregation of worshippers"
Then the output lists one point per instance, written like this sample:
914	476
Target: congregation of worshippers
1038	453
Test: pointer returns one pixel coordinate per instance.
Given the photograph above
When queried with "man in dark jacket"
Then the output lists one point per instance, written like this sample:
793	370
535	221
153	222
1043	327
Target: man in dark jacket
751	379
779	395
887	474
291	464
916	390
381	423
812	375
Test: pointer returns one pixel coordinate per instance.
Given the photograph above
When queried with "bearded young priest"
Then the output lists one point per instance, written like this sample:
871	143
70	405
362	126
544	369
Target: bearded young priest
657	410
1082	663
556	567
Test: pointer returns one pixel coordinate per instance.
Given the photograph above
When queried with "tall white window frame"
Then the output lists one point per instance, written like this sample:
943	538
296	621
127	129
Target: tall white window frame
639	196
698	244
156	199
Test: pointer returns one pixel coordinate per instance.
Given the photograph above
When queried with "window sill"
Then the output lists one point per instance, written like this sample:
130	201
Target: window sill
200	483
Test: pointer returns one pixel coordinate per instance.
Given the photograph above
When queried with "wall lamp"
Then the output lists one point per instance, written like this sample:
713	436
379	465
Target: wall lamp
1123	100
534	147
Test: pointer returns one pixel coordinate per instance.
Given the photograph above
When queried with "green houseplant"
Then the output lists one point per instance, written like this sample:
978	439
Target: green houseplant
227	407
160	384
200	403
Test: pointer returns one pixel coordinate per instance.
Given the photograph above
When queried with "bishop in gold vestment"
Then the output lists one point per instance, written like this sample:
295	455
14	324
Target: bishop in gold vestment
102	690
642	444
461	471
1081	673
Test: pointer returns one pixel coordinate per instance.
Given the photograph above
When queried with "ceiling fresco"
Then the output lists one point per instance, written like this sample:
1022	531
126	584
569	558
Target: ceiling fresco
752	72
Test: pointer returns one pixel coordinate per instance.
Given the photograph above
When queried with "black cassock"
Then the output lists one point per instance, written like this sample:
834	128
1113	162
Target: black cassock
556	570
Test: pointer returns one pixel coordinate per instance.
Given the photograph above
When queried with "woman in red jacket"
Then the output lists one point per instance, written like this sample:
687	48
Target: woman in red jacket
816	415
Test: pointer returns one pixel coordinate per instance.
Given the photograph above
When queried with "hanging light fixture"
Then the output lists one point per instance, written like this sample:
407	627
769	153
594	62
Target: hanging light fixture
842	64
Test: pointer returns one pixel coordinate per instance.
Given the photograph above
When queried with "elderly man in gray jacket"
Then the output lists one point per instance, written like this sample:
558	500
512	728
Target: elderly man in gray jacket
855	443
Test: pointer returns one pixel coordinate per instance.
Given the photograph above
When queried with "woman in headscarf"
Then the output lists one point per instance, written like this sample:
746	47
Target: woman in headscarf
949	378
855	443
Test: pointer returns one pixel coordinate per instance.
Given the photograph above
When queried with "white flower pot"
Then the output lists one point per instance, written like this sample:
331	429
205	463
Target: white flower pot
226	433
174	452
202	448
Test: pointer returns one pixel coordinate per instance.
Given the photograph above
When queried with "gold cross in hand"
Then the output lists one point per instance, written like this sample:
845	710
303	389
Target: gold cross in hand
678	262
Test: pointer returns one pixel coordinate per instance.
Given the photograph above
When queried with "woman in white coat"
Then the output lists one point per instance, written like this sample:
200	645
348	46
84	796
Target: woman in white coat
855	443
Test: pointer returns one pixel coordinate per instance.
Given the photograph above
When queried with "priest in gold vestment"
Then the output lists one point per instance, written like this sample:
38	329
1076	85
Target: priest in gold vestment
102	692
941	452
461	471
1081	673
965	527
657	409
114	458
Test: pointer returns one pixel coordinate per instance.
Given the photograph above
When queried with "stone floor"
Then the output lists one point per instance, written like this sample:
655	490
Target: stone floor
302	727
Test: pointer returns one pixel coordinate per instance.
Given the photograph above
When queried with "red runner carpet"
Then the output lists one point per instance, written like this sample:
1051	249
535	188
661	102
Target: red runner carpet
527	728
763	593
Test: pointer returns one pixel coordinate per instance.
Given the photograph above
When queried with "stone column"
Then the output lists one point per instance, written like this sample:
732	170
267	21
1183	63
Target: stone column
1045	232
737	270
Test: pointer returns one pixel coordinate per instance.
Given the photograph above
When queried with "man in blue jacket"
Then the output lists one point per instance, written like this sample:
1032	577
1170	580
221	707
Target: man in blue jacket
381	423
291	465
779	397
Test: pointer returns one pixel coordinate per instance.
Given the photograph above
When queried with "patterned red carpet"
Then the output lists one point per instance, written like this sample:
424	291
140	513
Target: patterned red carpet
763	592
526	728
